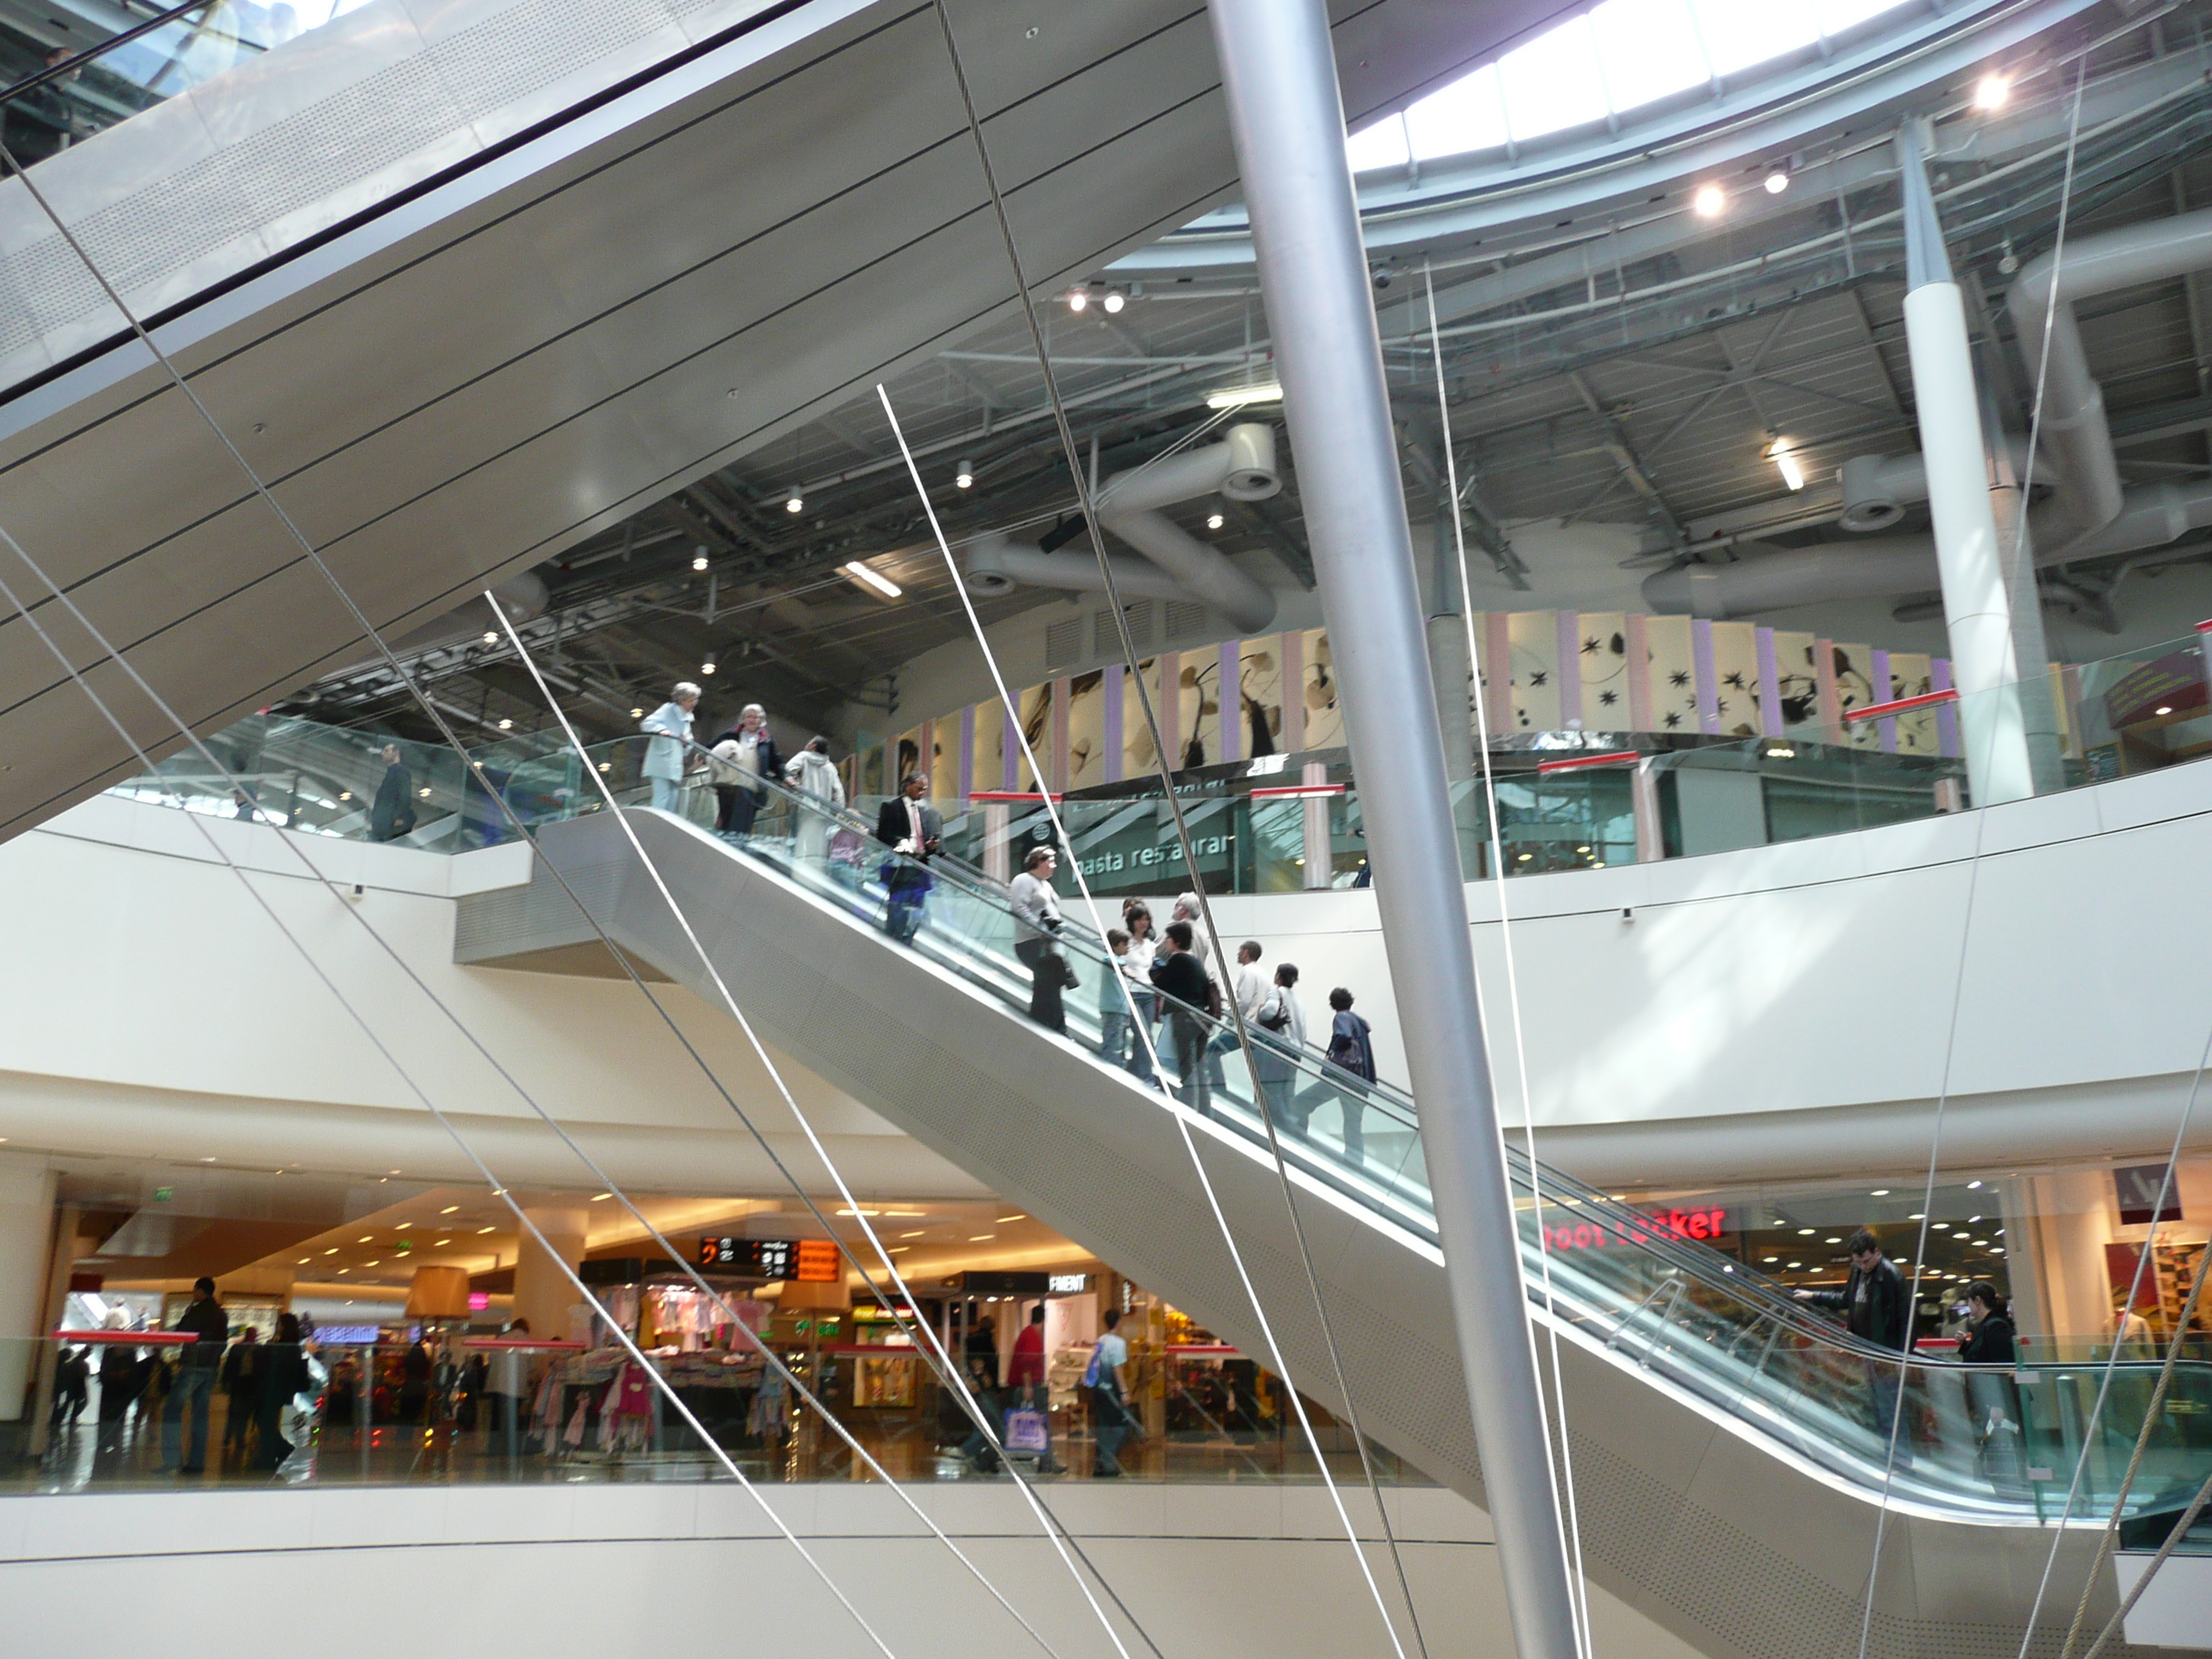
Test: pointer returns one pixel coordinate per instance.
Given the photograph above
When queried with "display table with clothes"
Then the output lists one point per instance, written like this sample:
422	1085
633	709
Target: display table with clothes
602	1402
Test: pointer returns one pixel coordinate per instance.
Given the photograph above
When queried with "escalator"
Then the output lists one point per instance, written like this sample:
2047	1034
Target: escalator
1726	1470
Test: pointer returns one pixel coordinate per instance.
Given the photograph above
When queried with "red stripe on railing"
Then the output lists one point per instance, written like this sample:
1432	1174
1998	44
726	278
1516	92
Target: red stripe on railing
1882	711
136	1339
1611	757
1299	791
2204	628
1012	794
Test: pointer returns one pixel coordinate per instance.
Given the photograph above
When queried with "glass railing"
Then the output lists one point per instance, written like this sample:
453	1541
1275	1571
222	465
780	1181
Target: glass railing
124	1410
152	55
1991	1442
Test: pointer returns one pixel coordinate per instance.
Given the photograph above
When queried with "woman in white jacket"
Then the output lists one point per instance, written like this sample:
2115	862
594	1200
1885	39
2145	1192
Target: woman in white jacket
812	772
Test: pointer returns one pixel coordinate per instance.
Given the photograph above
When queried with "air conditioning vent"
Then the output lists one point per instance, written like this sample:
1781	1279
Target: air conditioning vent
1108	644
1063	643
1186	621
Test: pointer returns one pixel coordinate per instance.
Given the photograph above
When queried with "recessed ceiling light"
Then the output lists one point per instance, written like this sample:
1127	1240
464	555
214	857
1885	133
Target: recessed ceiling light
378	1263
345	794
1776	180
333	1250
1236	397
1014	1218
596	1197
451	1209
367	1238
305	1259
1879	1191
406	1224
2166	710
977	1238
1114	301
481	1232
917	1233
207	1160
1077	299
443	1243
345	1270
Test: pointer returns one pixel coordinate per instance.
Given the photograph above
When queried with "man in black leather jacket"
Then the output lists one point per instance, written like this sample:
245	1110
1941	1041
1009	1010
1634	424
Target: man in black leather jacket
195	1373
1877	1307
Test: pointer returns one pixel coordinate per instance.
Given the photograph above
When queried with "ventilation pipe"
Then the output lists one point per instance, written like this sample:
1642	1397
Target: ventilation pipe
1877	488
2090	514
1241	467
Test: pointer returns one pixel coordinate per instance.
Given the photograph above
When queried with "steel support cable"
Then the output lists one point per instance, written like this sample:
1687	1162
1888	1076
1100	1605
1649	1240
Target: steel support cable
2173	1539
232	781
2134	1460
947	1371
1561	1468
1053	1529
1181	1113
491	1181
1089	507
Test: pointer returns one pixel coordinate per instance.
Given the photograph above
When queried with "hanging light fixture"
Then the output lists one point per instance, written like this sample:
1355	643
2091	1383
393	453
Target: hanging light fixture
1777	179
965	478
1078	298
1236	397
868	578
793	501
1114	301
1785	463
1710	201
708	666
1214	521
699	560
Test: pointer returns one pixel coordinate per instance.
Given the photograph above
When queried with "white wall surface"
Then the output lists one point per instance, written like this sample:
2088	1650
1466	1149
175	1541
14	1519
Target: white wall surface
152	1008
1250	1571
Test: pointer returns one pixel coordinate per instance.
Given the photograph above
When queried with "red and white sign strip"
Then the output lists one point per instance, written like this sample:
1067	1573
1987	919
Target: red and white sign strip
987	796
1299	792
1580	762
1882	711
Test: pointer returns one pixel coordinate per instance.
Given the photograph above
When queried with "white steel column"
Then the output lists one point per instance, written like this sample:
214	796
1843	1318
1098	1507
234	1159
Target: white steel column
1976	609
1287	116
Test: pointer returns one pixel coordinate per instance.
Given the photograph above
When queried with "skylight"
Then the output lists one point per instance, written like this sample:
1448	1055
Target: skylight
1607	61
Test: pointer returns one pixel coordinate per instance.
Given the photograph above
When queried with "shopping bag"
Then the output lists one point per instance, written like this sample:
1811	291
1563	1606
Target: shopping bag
1028	1431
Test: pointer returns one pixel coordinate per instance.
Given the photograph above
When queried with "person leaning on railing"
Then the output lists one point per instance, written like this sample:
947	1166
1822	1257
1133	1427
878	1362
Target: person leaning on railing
1877	1309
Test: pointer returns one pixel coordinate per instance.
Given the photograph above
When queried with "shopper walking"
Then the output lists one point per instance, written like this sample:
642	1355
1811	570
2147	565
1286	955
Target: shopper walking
1282	1034
284	1374
1114	1023
391	815
241	1391
505	1388
1185	990
668	750
909	826
743	755
185	1447
1025	1377
982	1349
1248	986
1991	1394
1106	1380
1137	975
1352	1050
1037	938
1877	1309
814	775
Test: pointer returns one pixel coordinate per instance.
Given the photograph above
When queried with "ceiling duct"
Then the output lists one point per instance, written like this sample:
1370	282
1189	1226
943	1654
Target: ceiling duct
1877	488
1241	467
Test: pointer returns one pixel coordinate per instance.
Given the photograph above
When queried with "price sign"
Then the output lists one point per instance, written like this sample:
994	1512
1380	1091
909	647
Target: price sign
818	1262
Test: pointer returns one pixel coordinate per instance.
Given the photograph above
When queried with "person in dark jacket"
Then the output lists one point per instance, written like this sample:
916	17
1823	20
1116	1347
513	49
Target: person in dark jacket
1877	1307
1351	1051
743	756
283	1374
197	1368
1989	1335
241	1389
909	824
392	814
1993	1394
1181	977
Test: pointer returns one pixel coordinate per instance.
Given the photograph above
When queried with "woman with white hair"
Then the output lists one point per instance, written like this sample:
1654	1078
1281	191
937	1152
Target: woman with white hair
668	753
814	775
743	755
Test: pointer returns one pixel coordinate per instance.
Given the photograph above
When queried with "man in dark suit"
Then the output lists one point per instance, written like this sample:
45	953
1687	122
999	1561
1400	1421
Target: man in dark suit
910	825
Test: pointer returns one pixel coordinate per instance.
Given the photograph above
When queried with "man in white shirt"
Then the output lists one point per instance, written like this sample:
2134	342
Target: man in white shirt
1112	1422
1250	990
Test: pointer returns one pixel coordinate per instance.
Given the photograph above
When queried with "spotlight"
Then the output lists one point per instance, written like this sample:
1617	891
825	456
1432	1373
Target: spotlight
883	585
708	666
1992	92
1078	298
1710	201
965	478
699	560
637	713
794	502
1214	521
1113	302
491	637
1786	464
1776	180
506	726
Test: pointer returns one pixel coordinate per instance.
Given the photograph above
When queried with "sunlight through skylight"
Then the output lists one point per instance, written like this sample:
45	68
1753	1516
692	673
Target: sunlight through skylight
1607	61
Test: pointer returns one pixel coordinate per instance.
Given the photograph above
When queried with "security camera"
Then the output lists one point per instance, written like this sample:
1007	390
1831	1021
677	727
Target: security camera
1381	276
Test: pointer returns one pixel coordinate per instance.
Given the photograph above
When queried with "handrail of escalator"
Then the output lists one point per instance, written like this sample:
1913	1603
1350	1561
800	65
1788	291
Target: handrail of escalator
70	66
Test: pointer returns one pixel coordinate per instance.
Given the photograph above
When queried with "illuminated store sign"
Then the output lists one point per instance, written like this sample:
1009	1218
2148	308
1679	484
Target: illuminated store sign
809	1260
1704	1224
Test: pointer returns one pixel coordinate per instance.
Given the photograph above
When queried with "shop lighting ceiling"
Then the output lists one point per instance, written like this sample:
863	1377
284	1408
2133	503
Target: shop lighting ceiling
1776	180
637	713
1214	521
1879	1191
964	476
1992	92
491	637
699	562
451	1209
481	1232
867	578
917	1233
599	1197
708	666
1114	301
1014	1218
978	1238
1785	463
1236	397
506	726
794	502
1710	201
1078	299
